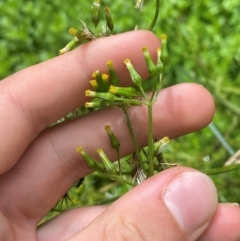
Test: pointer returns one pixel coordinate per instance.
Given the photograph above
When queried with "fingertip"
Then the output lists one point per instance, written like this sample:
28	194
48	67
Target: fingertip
200	106
185	107
186	192
181	199
225	224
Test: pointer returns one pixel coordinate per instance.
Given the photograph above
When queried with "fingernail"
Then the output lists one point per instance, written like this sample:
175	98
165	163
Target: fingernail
191	198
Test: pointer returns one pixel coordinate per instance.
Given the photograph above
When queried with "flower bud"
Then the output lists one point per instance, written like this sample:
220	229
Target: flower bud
136	78
94	84
164	52
152	68
109	19
129	92
107	163
77	33
102	81
113	139
112	74
95	13
101	95
73	31
92	163
159	62
105	80
98	103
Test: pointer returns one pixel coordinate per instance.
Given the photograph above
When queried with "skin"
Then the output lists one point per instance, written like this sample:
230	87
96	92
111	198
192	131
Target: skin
39	164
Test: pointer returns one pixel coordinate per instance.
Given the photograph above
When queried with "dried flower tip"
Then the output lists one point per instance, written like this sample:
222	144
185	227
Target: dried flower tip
95	13
109	18
86	33
140	176
139	5
160	145
104	31
80	35
136	78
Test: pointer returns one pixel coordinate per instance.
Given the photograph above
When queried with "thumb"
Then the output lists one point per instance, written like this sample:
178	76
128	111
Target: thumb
176	204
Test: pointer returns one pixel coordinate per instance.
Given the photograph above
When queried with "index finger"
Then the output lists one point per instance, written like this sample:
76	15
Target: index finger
35	97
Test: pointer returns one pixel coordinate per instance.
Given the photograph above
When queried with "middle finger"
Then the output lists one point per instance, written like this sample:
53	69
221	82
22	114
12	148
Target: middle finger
51	164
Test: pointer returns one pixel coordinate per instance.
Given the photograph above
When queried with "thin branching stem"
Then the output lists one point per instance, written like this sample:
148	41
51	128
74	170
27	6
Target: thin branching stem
135	143
155	15
119	163
150	140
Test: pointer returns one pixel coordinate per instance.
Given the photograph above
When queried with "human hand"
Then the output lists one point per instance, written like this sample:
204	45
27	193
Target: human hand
39	164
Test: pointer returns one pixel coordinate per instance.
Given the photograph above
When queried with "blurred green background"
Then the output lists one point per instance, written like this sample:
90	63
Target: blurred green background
203	38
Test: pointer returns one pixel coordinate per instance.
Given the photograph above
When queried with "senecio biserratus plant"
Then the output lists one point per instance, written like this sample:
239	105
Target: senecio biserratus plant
106	91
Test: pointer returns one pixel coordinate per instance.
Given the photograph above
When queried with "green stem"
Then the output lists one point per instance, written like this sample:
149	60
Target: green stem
119	163
129	101
102	202
221	139
70	46
150	140
137	149
155	15
223	169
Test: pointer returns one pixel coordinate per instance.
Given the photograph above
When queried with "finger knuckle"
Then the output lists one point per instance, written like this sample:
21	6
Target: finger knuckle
123	228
